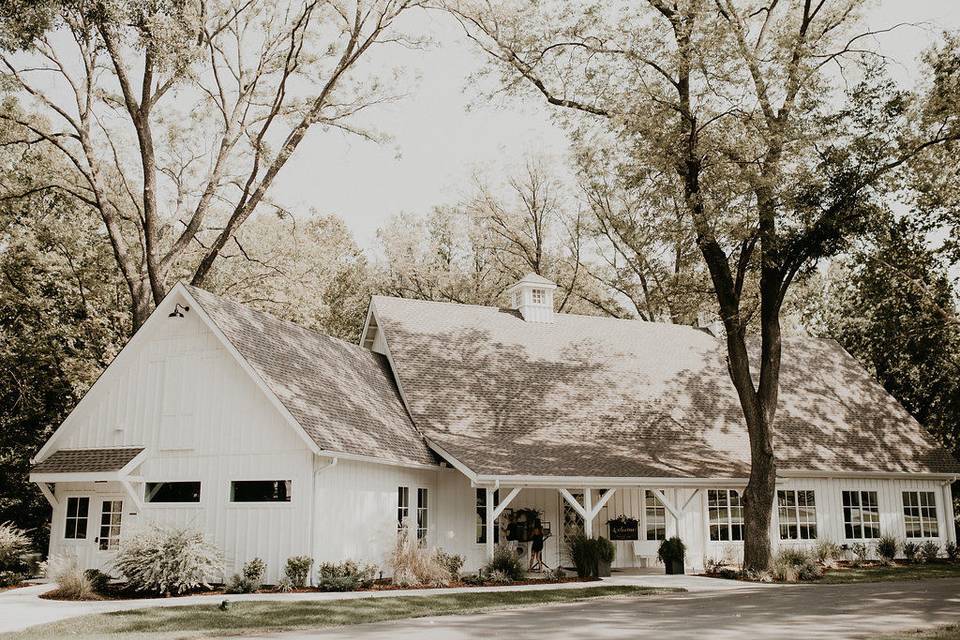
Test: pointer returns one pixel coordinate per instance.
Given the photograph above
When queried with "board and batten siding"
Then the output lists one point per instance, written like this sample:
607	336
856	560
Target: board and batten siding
181	395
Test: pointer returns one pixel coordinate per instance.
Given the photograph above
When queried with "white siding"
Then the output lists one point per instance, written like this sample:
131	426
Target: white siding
181	395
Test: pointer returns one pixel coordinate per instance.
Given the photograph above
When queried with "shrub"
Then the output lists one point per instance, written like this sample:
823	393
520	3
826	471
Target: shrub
951	550
98	580
72	581
473	579
558	574
285	584
929	551
728	574
297	570
167	560
793	556
809	570
345	576
249	579
827	552
584	555
784	572
861	553
506	561
499	577
910	550
887	548
671	549
14	547
414	565
452	562
606	550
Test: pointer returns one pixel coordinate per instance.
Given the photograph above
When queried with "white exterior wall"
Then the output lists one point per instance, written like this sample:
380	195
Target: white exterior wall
183	397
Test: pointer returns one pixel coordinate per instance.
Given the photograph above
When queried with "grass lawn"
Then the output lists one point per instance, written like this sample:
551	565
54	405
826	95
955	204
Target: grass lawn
167	623
897	572
949	632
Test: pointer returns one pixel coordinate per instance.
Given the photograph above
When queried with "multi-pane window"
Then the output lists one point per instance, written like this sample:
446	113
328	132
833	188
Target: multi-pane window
861	515
173	492
403	506
482	516
110	515
421	514
78	509
656	517
726	514
920	514
260	491
798	514
537	296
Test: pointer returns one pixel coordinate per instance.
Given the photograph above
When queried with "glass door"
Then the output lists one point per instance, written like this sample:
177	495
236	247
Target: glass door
107	539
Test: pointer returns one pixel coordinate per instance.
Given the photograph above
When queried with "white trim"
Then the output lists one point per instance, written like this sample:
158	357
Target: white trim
459	466
498	511
573	502
48	494
666	503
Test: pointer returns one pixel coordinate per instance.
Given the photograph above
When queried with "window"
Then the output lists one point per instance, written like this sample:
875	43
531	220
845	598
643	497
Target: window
421	514
260	491
77	511
656	517
861	515
173	492
798	514
482	516
726	514
110	514
537	296
403	506
920	514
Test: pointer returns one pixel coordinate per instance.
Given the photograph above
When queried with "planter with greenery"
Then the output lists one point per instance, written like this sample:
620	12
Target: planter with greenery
671	554
606	552
591	557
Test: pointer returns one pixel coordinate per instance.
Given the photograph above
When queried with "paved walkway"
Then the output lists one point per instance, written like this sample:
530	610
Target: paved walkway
22	608
799	611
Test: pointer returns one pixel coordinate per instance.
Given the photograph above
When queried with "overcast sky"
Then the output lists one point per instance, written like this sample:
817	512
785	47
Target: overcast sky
444	130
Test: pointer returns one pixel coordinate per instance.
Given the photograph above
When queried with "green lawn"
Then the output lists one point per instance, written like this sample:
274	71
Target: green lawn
949	632
884	574
167	623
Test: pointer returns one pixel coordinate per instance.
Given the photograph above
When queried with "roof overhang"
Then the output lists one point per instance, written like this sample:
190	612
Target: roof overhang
116	475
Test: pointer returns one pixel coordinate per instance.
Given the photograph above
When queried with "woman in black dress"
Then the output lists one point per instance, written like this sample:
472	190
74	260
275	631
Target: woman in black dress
536	549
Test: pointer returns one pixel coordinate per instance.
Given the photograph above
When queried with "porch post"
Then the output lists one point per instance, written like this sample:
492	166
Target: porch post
588	508
490	516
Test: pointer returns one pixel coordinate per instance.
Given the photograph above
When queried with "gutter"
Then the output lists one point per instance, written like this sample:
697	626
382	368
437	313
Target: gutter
314	507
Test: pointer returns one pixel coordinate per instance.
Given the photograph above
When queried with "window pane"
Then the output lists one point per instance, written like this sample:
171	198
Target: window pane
260	491
173	492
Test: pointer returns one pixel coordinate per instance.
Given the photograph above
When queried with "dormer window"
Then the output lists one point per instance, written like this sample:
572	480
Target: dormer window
538	296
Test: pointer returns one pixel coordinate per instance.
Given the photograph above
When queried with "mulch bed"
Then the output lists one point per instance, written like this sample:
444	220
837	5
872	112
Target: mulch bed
118	592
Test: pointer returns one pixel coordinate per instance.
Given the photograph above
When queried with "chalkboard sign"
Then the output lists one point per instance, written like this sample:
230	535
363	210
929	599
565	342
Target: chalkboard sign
624	529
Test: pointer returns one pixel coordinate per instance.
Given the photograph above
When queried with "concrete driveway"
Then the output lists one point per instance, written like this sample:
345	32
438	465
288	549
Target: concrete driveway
802	611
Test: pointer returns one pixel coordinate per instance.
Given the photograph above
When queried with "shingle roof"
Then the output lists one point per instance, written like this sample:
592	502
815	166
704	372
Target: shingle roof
589	396
343	396
87	460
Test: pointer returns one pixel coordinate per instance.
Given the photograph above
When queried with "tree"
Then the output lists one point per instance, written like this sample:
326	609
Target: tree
63	317
729	106
175	117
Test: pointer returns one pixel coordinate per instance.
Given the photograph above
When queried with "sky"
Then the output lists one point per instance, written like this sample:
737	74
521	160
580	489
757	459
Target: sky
446	129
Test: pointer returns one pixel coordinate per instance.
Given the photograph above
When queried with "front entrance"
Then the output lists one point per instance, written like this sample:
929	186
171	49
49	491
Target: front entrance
572	526
106	538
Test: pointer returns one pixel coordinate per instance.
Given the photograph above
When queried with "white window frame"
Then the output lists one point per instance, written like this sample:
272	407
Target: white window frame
803	520
734	526
481	511
271	504
76	519
148	497
927	518
403	505
113	525
423	508
659	514
873	511
538	296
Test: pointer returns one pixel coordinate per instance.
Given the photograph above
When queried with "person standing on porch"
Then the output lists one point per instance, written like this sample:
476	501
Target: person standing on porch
536	549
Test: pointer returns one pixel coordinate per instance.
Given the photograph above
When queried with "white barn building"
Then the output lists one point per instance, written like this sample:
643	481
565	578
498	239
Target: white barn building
278	441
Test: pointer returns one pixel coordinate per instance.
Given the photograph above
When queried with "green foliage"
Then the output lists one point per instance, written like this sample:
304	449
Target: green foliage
929	551
887	547
285	585
910	550
671	549
794	556
861	553
453	562
825	551
297	570
584	555
951	550
165	560
793	564
345	576
506	561
414	565
98	580
606	550
250	578
71	580
14	547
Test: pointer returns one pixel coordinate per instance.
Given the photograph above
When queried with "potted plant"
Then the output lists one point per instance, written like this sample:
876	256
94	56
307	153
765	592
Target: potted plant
671	554
606	552
521	524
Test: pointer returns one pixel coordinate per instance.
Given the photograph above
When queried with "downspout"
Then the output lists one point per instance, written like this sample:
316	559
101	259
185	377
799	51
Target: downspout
314	508
950	535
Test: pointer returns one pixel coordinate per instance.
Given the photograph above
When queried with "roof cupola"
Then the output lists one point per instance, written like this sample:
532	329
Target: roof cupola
532	296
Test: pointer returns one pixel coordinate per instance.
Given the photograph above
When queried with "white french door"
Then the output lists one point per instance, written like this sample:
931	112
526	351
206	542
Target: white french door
107	529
